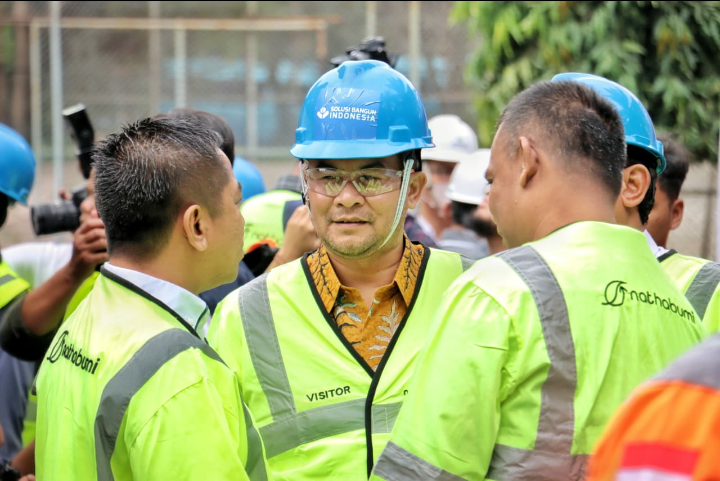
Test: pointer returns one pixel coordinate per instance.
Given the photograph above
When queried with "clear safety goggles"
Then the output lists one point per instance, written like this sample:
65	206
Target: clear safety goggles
368	182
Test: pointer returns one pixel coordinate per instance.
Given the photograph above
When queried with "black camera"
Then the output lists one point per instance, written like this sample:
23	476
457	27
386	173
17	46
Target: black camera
372	48
7	473
59	216
82	133
64	215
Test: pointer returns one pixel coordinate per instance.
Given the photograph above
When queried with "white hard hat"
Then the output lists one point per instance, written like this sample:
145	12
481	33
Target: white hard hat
454	139
468	184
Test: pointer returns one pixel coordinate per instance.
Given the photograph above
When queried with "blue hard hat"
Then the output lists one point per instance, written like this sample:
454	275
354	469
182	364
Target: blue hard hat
249	176
17	165
361	110
639	129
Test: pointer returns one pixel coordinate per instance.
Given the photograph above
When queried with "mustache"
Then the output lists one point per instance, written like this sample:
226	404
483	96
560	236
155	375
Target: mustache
350	217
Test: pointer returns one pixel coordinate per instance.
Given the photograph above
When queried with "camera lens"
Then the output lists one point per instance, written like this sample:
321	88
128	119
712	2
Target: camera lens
60	216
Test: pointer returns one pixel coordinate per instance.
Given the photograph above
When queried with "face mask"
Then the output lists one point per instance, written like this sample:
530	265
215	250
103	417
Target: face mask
438	194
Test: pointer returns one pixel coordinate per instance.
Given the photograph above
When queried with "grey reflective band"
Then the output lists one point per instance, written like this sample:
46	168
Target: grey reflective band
703	287
6	279
325	421
556	424
134	375
264	347
466	262
700	365
398	464
515	463
255	465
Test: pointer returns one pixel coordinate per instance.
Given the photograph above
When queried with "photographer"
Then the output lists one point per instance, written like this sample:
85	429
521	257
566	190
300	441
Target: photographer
28	323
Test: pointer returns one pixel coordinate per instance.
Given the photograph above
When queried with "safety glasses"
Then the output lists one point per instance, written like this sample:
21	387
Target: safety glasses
368	182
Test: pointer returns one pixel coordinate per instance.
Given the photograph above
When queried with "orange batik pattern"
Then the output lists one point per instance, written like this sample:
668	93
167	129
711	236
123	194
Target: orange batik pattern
369	331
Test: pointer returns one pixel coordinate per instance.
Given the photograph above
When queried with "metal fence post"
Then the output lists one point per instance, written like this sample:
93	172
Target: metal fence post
36	95
56	86
370	18
180	67
251	90
414	42
154	59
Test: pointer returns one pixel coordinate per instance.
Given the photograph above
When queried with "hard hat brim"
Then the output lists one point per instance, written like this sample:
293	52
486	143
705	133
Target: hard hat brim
355	149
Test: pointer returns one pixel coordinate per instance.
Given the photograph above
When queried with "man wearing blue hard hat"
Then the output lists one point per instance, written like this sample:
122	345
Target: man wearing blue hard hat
325	345
17	173
698	279
533	349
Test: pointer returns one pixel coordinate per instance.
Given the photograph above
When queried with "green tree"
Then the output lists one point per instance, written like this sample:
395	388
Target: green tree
668	53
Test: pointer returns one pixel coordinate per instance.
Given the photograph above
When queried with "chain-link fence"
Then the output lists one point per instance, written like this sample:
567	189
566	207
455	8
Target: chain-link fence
249	62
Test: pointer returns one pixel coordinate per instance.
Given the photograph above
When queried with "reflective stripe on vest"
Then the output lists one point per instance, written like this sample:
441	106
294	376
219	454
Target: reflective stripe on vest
289	428
139	369
400	464
264	348
551	458
466	262
703	286
551	455
6	279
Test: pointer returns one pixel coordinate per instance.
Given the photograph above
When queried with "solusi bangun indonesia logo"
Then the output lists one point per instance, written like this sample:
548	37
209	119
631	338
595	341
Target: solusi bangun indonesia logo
616	293
68	351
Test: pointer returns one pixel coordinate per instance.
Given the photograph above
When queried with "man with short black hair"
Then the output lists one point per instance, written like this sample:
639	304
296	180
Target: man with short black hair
128	390
534	348
697	278
667	213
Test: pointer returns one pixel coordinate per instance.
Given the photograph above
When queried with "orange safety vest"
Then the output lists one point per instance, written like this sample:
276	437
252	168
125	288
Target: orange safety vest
670	428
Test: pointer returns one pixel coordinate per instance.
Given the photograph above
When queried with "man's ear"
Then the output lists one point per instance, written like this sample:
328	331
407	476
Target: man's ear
194	224
677	209
636	181
418	180
529	159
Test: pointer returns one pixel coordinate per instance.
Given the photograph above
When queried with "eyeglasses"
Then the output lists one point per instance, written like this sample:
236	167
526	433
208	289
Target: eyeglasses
368	182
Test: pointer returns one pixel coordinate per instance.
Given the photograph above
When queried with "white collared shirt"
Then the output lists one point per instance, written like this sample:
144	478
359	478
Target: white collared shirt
186	304
657	250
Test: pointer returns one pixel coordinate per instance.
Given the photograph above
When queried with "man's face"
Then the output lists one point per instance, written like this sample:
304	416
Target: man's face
665	216
227	231
503	173
440	175
349	224
482	219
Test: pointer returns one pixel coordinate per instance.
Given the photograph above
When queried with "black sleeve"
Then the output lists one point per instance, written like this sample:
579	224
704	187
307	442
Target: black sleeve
15	339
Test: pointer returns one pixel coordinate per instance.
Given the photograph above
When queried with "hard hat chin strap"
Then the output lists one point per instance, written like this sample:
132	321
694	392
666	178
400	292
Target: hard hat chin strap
407	170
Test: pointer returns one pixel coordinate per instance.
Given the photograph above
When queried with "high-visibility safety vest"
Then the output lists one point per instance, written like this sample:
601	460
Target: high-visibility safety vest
699	280
28	432
264	221
532	351
668	429
11	285
321	414
127	390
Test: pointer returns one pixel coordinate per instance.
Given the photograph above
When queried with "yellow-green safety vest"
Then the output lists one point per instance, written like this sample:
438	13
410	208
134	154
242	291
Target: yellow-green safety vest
532	351
699	280
11	285
128	390
322	412
264	217
28	433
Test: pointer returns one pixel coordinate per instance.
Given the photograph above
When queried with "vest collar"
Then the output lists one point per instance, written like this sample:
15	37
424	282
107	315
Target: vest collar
182	302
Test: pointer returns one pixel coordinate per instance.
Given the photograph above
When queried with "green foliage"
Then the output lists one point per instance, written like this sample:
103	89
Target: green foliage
668	53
